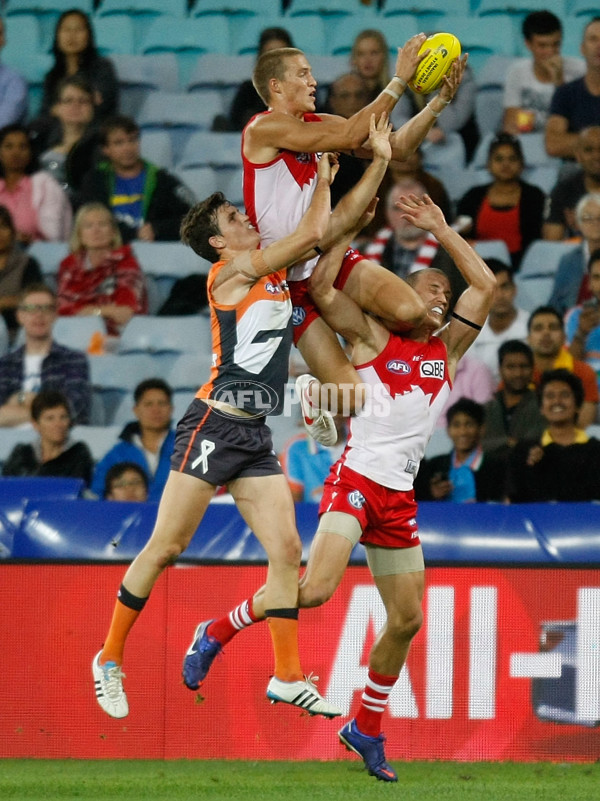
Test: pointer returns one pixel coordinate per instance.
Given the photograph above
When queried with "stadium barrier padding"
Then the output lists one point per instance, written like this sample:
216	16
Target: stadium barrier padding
506	666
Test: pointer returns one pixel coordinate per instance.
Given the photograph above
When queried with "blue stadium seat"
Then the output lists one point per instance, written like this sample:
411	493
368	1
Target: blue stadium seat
33	68
220	71
114	376
212	149
520	8
396	30
326	8
143	12
489	111
245	32
543	176
493	72
49	255
180	114
188	371
115	34
156	146
230	182
532	144
458	180
23	38
76	332
99	439
533	291
171	259
188	39
165	335
241	8
583	8
493	249
572	36
482	37
451	152
203	181
3	337
425	9
542	257
438	444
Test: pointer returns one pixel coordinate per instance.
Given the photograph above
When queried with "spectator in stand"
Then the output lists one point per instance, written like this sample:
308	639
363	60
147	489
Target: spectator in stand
571	283
41	363
39	205
582	323
403	248
576	105
247	102
505	320
100	276
72	150
17	270
54	453
369	59
347	95
514	411
548	343
306	463
126	481
562	465
13	90
473	380
148	441
508	208
466	474
530	82
147	201
559	221
75	53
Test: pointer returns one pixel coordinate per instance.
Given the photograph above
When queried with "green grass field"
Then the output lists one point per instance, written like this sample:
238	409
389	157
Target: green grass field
47	780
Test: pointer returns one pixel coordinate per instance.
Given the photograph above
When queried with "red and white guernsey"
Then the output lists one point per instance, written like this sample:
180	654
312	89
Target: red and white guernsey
410	386
278	193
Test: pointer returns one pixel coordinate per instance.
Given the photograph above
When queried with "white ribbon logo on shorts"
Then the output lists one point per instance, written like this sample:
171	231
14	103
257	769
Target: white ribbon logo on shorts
207	446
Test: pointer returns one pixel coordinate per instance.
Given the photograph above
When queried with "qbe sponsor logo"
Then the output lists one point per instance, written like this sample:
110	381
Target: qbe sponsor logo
432	368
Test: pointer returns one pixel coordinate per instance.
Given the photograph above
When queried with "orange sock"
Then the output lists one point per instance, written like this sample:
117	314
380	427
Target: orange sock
284	634
122	620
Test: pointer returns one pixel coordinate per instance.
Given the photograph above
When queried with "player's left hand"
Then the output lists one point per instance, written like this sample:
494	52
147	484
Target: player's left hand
379	136
422	212
452	80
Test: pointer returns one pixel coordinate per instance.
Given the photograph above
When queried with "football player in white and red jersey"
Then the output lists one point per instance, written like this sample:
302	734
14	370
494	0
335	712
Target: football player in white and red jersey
368	495
280	151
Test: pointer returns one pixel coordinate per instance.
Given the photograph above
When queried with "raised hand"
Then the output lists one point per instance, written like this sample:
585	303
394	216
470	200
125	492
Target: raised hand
408	58
422	212
379	136
328	166
452	80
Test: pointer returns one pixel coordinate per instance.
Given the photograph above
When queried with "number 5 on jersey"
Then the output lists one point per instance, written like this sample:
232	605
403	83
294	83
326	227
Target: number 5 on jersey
207	446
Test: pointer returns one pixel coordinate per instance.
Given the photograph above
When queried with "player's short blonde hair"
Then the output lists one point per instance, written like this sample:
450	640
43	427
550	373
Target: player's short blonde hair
272	64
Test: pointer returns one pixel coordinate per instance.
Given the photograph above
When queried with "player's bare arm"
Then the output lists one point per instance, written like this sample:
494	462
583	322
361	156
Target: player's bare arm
246	266
472	307
284	128
407	138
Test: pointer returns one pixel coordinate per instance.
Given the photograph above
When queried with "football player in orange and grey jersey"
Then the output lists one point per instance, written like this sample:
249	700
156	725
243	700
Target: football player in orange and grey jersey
223	438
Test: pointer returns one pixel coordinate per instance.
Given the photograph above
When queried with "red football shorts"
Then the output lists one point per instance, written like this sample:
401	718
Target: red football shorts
305	311
387	517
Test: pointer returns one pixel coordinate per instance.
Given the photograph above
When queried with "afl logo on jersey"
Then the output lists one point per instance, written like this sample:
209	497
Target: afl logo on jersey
356	499
298	315
398	366
273	289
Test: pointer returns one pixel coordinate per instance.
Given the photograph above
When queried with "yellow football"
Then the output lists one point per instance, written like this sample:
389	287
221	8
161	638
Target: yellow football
444	49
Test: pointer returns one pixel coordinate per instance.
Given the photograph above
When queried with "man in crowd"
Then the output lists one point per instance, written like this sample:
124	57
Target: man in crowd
148	201
41	363
546	337
582	323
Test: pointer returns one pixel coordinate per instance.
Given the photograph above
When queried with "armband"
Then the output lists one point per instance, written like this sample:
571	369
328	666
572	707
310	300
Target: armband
465	321
435	113
318	250
391	93
400	80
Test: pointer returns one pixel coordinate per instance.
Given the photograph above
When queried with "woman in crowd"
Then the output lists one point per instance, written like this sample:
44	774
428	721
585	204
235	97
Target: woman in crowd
100	276
75	53
563	464
39	206
53	453
73	146
369	58
508	208
17	270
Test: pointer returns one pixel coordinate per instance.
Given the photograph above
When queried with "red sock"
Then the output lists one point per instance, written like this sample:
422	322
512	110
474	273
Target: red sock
227	627
374	701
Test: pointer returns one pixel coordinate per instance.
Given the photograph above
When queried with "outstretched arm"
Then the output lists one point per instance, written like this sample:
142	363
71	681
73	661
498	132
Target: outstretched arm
408	138
355	202
472	307
282	131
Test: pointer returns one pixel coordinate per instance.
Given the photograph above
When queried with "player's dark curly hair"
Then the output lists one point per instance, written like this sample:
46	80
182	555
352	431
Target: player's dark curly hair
200	223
